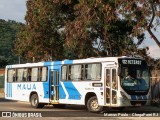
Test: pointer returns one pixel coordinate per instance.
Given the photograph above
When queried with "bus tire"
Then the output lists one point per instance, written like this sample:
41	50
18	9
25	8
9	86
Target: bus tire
92	105
35	102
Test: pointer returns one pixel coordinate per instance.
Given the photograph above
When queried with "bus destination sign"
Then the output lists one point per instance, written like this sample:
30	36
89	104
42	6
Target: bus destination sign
132	62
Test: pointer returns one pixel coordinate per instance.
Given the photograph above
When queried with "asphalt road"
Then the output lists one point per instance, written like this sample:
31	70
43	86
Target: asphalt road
18	110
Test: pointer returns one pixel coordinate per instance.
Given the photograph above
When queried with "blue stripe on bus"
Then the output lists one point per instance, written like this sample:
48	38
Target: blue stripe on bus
68	61
72	91
9	89
46	86
46	90
62	94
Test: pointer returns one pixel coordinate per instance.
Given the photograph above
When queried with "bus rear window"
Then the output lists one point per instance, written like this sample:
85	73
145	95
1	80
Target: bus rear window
10	75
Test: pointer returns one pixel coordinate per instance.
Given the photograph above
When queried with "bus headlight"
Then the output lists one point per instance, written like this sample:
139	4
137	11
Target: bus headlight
123	95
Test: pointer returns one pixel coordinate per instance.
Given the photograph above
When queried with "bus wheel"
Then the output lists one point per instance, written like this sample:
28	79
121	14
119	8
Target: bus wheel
92	105
35	102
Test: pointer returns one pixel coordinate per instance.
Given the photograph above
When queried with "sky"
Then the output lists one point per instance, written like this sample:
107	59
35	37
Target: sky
13	10
16	10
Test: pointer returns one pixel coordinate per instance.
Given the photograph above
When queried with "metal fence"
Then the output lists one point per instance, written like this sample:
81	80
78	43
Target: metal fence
1	81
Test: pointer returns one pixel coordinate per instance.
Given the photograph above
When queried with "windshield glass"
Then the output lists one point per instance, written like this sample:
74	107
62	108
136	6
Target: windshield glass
135	77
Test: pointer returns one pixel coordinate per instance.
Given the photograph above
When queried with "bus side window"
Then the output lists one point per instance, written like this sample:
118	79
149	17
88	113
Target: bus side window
69	73
29	74
64	73
34	75
14	75
44	74
107	77
20	74
76	72
40	74
25	72
10	75
114	79
87	72
93	71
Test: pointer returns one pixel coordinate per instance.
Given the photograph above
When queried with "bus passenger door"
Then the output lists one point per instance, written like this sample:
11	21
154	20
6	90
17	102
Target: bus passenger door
54	86
111	86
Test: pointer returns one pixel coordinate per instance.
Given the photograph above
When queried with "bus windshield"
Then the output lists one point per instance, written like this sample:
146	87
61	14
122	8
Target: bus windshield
135	77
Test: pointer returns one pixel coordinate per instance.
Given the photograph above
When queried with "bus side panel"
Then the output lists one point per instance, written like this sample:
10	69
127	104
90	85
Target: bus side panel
75	92
44	94
21	91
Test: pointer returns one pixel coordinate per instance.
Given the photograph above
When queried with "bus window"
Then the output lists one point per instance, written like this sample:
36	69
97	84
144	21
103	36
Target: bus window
107	95
114	97
10	75
25	72
44	74
14	75
39	74
64	73
93	71
34	74
114	79
107	77
76	72
29	74
20	74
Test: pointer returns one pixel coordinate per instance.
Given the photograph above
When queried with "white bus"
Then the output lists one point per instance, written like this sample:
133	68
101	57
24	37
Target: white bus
93	82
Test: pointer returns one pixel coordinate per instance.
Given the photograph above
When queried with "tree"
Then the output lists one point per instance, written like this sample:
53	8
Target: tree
8	31
72	29
97	31
40	38
145	13
157	64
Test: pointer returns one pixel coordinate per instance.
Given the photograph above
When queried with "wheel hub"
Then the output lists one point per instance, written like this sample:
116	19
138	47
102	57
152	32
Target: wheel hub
94	104
34	102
